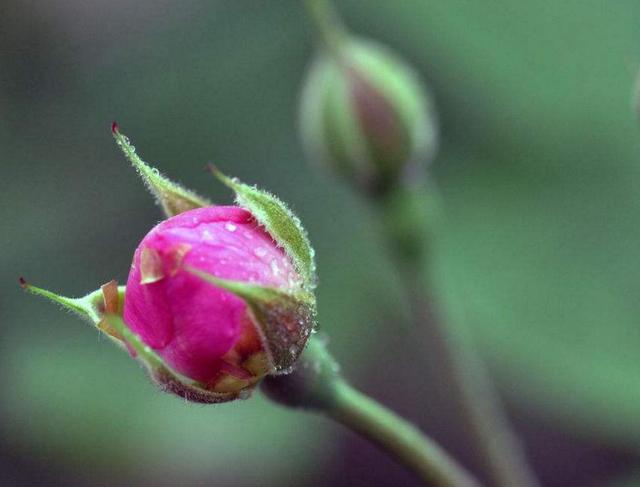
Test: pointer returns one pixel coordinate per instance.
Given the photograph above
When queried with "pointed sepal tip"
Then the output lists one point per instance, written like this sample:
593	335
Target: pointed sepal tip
172	197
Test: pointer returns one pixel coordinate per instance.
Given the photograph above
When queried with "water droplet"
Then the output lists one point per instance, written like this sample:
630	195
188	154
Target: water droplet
260	252
230	227
207	235
274	268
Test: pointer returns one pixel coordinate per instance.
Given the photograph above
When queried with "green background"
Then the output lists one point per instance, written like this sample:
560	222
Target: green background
539	172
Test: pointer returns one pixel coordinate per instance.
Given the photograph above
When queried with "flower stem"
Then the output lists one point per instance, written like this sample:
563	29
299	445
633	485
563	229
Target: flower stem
397	437
316	384
403	213
328	24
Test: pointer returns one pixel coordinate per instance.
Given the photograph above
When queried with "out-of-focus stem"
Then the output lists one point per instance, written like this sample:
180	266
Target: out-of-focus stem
327	22
316	384
409	216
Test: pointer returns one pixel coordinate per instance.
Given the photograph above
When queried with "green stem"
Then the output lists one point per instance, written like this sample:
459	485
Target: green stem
328	24
316	384
498	447
397	437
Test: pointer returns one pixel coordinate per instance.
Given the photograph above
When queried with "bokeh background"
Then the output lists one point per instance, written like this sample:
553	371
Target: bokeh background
540	174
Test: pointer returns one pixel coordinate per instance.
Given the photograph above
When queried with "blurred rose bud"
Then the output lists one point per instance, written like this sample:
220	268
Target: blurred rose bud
366	115
204	332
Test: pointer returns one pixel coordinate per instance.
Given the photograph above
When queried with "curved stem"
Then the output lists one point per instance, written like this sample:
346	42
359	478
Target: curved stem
497	446
397	437
316	384
327	23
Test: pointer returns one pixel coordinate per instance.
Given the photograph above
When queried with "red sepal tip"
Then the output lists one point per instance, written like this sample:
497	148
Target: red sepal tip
23	282
114	127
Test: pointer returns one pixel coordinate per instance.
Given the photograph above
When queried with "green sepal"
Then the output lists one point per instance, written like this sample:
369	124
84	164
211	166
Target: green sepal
92	308
280	222
173	198
163	375
284	321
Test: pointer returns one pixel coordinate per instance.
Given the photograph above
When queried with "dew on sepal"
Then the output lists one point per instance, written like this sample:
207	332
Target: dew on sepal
286	325
279	222
173	198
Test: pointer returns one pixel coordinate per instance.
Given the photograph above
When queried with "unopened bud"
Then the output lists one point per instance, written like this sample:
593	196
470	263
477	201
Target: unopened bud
213	295
366	115
217	298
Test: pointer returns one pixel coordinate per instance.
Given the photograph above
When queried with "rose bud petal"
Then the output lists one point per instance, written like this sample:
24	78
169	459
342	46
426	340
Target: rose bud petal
206	333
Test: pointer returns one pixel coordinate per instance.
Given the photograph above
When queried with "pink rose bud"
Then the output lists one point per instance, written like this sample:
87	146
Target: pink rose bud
204	332
217	297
